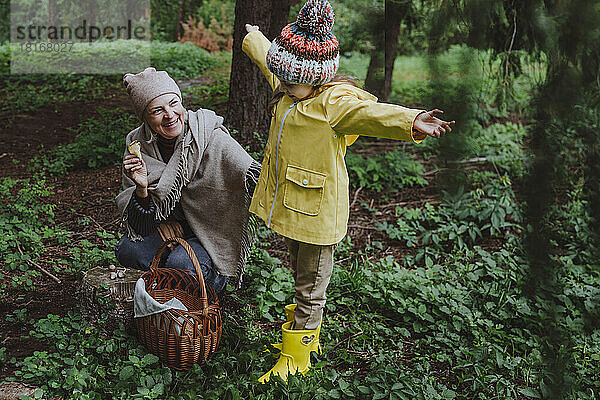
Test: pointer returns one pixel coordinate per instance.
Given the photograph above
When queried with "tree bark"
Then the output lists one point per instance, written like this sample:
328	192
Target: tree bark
374	81
100	295
249	92
92	12
393	17
383	56
180	20
52	14
192	9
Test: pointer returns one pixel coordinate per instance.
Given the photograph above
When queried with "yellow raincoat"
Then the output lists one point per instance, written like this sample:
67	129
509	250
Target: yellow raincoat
302	192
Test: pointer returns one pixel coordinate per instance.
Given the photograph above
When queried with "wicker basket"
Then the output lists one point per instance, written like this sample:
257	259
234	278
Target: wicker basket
180	338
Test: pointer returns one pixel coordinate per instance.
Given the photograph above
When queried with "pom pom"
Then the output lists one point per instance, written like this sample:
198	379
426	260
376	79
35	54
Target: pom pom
316	17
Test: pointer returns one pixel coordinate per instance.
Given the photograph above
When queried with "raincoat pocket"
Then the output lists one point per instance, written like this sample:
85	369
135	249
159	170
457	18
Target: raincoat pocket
303	190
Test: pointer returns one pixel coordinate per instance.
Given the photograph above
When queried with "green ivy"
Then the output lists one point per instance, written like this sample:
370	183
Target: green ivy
392	170
99	141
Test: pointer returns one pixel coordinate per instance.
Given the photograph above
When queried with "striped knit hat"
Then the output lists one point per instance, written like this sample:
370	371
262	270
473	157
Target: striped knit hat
306	51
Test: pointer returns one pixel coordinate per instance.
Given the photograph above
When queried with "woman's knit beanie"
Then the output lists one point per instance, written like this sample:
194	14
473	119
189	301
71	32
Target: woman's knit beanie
148	85
306	51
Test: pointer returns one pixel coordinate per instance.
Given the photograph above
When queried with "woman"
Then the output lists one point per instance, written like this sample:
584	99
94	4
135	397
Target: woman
193	180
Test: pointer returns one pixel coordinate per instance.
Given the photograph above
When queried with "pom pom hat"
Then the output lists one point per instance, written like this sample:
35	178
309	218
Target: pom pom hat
306	52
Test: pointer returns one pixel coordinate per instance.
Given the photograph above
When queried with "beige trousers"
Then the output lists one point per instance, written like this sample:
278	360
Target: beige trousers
312	266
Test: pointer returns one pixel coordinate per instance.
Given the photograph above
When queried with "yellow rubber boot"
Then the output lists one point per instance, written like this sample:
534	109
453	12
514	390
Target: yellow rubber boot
290	310
295	352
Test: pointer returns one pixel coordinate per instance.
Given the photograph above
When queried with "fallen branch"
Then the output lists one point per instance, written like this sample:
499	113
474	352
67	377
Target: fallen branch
362	227
348	339
406	203
3	155
88	217
476	160
355	197
45	271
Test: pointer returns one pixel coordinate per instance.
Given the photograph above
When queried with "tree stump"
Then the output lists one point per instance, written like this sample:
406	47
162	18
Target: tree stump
100	295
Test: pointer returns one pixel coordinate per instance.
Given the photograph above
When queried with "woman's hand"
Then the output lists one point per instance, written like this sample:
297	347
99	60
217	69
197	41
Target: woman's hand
428	123
251	28
135	169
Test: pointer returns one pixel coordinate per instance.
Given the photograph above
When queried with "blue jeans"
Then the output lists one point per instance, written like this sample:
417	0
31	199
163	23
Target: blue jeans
139	255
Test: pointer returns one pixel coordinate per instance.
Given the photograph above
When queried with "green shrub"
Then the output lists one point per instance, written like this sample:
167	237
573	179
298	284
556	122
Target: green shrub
502	145
213	95
460	221
181	61
210	9
392	170
4	59
29	92
26	93
99	141
26	223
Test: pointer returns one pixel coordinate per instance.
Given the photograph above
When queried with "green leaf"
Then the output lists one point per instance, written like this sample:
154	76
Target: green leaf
363	389
279	296
343	384
126	373
149	359
530	392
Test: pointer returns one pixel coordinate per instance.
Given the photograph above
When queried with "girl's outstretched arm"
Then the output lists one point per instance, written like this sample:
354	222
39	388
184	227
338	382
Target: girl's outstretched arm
353	111
256	45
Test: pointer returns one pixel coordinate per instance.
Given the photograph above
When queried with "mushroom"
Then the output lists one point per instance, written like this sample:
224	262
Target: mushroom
135	149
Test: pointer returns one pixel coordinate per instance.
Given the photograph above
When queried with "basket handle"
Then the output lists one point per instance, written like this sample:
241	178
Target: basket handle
192	255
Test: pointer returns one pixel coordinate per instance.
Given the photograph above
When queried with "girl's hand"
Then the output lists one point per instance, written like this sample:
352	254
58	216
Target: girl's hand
251	28
135	169
428	123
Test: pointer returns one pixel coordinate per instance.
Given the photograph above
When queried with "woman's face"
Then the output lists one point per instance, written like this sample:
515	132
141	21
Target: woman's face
165	115
296	91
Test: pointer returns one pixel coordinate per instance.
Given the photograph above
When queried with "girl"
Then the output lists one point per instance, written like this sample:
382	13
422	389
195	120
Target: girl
302	192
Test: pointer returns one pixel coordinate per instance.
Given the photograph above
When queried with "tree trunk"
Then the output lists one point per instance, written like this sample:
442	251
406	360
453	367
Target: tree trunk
393	16
114	297
383	55
280	11
192	12
92	12
180	21
52	14
376	71
375	79
249	92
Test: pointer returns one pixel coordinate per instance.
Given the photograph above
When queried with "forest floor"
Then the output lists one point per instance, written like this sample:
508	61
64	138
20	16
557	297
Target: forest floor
89	193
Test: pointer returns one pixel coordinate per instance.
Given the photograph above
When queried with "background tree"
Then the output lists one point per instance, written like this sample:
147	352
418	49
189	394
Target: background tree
249	92
374	81
397	12
180	20
563	35
395	16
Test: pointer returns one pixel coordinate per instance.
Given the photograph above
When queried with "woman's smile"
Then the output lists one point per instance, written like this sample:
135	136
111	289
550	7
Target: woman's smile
165	114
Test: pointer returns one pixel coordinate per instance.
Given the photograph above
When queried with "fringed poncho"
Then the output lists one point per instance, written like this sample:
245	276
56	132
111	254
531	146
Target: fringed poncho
212	176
